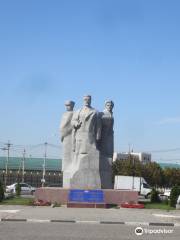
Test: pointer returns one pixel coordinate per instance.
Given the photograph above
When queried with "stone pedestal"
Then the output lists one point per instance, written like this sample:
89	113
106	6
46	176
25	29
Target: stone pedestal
105	169
66	179
86	171
60	195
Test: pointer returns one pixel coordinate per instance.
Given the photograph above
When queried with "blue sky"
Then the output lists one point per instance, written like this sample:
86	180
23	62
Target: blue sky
127	51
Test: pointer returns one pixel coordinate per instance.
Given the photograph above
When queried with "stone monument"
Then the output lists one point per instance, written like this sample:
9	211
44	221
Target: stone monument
85	168
66	131
106	145
88	143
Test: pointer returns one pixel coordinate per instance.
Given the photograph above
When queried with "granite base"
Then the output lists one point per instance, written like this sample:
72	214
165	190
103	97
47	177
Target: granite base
86	205
60	195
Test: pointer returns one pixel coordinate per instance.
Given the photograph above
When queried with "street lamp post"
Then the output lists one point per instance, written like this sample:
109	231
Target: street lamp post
44	165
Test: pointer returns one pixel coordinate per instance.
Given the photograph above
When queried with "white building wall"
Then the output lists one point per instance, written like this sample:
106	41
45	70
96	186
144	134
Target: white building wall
141	156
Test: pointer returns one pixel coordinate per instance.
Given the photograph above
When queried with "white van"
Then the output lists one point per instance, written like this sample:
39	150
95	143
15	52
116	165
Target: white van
132	183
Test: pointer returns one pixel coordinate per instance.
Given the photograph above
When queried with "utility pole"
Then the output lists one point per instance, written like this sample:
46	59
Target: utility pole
7	148
4	177
129	150
133	170
23	161
132	161
44	164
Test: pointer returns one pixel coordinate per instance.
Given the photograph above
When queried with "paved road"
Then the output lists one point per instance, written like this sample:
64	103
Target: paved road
68	231
126	215
84	227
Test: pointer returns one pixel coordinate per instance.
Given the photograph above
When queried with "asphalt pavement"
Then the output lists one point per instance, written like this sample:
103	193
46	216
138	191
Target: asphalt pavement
41	223
143	216
85	231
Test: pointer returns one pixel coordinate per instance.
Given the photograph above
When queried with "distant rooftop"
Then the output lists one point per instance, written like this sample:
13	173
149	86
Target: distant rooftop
15	163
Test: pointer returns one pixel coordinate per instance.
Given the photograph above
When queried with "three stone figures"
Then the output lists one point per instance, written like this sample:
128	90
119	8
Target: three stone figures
88	145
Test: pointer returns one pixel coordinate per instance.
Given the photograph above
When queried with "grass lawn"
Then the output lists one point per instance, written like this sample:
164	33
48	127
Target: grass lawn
162	206
17	201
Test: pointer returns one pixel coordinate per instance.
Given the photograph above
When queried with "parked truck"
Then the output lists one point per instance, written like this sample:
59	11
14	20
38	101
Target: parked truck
132	183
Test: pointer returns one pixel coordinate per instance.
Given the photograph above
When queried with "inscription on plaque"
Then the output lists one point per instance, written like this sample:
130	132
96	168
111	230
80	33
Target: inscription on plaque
89	196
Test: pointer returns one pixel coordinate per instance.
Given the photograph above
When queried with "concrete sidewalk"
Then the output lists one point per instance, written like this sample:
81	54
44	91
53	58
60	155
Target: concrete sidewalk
129	216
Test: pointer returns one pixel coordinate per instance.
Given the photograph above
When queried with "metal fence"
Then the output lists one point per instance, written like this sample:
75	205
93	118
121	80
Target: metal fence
31	177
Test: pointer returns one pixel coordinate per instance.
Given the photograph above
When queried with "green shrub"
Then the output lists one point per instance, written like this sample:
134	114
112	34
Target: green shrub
175	192
18	189
1	192
154	196
166	201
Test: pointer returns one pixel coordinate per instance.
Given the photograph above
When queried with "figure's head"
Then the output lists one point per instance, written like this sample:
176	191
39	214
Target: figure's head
109	104
69	105
87	100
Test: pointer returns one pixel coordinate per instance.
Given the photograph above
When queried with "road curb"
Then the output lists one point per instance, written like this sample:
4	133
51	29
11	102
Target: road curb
111	222
158	224
62	221
162	224
13	220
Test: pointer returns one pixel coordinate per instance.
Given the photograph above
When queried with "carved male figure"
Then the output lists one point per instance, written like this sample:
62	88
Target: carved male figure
106	144
87	131
107	132
85	122
66	130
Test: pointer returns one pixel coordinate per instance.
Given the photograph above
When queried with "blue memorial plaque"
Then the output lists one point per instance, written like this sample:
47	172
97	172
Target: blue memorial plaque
89	196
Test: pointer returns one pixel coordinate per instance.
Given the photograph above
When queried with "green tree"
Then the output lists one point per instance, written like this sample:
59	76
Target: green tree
171	177
128	167
175	192
151	172
154	196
